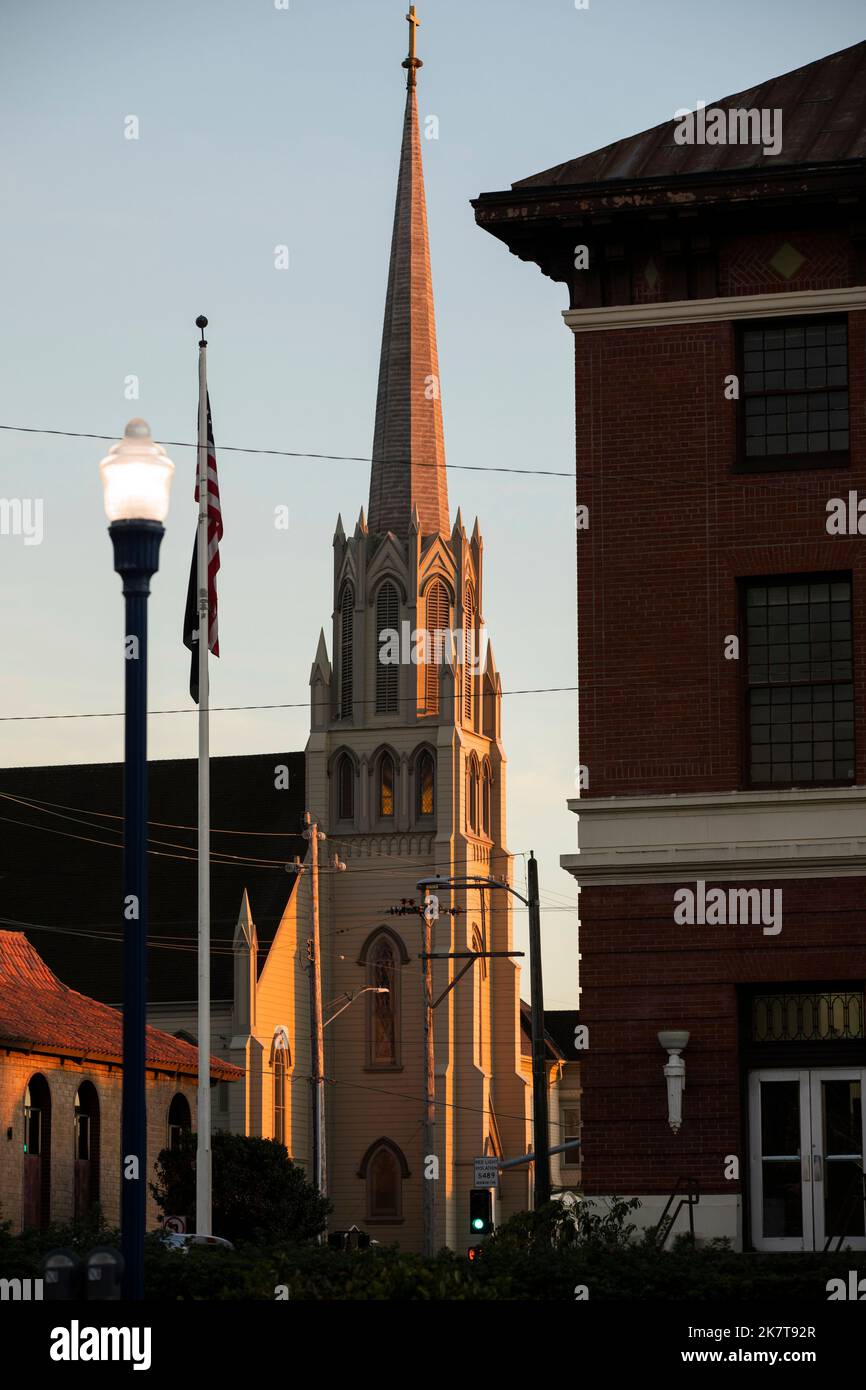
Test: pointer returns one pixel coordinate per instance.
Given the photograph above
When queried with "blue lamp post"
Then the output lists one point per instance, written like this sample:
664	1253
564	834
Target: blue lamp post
136	479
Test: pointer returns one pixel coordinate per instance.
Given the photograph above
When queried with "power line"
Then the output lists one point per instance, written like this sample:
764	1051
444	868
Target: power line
297	453
224	709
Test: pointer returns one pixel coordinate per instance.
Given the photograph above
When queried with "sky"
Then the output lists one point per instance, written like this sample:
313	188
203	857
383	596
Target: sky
259	125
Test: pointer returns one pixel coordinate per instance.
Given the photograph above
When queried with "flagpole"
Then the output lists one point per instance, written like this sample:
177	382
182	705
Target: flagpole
203	1147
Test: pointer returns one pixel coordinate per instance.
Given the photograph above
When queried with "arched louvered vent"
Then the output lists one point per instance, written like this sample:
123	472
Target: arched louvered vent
347	624
437	612
468	651
387	673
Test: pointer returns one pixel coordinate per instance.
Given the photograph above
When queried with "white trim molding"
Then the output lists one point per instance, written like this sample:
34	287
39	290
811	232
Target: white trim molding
722	308
799	832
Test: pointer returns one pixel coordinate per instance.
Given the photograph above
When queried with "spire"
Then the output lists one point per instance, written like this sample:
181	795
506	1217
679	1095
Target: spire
408	442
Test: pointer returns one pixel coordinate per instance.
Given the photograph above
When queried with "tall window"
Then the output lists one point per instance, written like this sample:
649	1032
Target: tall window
386	786
347	625
387	673
281	1065
179	1120
424	776
437	614
384	1168
86	1142
472	794
468	650
795	393
486	783
345	788
800	690
383	1007
36	1195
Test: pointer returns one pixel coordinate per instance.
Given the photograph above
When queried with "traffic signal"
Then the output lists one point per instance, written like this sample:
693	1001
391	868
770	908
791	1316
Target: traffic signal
474	1253
481	1211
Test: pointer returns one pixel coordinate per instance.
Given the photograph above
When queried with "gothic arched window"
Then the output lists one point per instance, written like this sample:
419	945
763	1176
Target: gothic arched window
387	671
281	1069
382	955
347	623
384	1168
472	794
436	623
345	788
386	786
486	785
468	651
425	784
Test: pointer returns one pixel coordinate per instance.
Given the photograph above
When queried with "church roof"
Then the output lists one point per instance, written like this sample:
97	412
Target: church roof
37	1012
408	444
61	865
823	121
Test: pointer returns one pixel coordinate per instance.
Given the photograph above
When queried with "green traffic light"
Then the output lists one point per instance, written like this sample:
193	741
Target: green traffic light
478	1224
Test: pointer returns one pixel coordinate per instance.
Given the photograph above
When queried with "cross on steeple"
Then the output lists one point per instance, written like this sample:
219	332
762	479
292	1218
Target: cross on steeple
412	62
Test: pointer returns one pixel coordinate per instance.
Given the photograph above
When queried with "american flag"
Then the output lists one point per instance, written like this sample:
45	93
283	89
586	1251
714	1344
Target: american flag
214	536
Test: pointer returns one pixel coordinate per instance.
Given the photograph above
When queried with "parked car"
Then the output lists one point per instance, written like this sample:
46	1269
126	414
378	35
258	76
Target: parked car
174	1240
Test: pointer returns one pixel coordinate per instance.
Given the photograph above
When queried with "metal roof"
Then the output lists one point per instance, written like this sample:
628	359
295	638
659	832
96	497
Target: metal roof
823	107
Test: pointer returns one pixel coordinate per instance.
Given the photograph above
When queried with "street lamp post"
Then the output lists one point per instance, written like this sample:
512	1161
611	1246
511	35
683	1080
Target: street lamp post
539	1069
136	478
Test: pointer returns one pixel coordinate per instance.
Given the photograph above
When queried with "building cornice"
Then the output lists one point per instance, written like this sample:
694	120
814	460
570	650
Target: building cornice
718	309
739	836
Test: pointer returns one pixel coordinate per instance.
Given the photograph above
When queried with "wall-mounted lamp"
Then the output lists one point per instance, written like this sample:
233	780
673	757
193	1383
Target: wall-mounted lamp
674	1041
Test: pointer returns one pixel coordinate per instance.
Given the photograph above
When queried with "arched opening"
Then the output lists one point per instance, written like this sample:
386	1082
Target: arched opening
386	786
86	1130
486	785
36	1195
387	627
345	788
472	794
179	1120
384	1168
425	787
346	657
437	624
281	1059
383	1008
468	651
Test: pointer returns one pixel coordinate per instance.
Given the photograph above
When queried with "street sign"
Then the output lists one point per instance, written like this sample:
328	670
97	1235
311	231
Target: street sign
175	1224
487	1172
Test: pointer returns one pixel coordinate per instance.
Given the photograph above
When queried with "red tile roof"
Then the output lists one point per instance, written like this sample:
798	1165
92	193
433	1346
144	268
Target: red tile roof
824	120
38	1012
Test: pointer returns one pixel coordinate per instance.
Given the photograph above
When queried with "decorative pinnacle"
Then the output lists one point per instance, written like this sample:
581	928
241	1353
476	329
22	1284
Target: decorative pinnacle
413	63
201	324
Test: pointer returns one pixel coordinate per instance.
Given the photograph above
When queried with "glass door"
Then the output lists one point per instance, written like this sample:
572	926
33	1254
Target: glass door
837	1157
779	1121
807	1158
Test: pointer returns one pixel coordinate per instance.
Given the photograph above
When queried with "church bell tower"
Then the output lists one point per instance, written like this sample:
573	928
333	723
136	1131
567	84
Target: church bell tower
406	773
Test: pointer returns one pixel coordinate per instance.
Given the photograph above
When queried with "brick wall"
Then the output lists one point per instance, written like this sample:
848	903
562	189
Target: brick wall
671	530
641	973
64	1078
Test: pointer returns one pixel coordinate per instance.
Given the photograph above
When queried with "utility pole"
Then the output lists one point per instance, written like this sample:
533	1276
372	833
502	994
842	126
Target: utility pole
541	1128
314	835
429	1203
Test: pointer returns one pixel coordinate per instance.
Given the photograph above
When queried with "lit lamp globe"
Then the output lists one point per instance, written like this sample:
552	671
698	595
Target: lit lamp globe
136	477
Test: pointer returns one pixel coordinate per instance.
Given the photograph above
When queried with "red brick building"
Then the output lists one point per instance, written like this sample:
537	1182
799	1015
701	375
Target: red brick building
718	306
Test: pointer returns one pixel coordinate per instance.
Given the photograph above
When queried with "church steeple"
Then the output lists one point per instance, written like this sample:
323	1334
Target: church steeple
408	443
